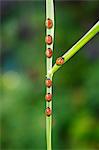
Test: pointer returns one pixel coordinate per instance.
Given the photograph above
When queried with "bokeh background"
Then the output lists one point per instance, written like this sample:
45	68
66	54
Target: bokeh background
75	85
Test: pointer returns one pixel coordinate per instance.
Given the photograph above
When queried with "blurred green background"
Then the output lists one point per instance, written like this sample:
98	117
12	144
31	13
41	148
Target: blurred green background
75	85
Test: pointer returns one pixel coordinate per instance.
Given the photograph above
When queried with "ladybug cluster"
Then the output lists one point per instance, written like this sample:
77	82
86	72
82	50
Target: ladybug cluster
48	96
48	53
48	38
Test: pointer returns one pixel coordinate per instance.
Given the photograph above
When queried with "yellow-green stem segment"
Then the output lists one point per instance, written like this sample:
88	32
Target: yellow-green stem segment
50	15
89	35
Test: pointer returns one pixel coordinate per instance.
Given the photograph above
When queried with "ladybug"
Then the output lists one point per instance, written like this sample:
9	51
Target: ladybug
48	82
48	111
49	23
48	39
48	97
60	61
49	52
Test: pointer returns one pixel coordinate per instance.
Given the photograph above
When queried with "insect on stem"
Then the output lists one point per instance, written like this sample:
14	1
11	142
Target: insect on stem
49	40
89	35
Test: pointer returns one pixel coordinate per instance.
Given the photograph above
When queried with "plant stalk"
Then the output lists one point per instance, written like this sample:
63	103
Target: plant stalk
49	14
89	35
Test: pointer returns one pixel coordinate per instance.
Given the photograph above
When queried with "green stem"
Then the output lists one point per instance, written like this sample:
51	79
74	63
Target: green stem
89	35
49	14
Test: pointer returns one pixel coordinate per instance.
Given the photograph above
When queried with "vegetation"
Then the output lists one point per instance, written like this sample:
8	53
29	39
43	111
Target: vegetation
76	96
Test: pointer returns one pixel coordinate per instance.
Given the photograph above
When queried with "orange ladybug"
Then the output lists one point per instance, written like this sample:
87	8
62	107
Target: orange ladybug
48	39
48	82
60	61
49	52
49	23
48	97
48	111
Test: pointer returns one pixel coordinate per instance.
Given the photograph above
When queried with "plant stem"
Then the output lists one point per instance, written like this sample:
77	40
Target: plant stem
89	35
49	14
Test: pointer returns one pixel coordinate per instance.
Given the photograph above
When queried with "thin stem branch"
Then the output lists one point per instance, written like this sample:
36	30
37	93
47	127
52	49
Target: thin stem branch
89	35
49	14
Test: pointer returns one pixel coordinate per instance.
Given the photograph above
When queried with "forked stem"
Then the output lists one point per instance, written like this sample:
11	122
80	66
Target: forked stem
51	70
89	35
